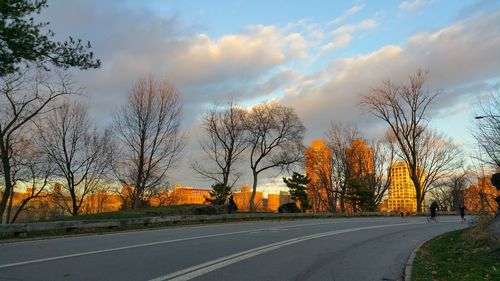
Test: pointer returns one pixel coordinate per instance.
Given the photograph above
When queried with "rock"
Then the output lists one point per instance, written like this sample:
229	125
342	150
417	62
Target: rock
289	208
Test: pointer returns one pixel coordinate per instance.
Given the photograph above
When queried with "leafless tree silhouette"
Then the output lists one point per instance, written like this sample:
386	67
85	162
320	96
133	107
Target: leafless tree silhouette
148	129
80	152
23	97
275	136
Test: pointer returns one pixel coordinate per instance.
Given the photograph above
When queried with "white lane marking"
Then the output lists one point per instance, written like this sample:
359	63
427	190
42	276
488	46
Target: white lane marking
150	244
121	248
201	269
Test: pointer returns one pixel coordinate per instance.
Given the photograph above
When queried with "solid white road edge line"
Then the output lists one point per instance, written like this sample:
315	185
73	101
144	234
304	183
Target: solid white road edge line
198	270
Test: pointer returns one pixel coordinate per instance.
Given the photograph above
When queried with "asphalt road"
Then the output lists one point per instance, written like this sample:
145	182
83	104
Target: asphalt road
325	249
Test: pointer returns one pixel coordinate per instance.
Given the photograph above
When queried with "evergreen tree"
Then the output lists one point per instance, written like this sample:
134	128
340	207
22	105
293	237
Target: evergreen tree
219	194
22	40
298	190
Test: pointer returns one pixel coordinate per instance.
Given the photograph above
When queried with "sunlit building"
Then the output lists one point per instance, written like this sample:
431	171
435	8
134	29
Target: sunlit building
359	158
190	195
242	199
402	193
318	170
274	201
100	202
481	197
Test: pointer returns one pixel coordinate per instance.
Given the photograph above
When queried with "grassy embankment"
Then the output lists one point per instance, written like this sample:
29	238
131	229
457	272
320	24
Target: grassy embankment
133	213
470	254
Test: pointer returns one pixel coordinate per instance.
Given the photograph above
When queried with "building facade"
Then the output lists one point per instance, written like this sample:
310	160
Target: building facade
480	197
402	193
242	199
190	195
360	159
318	170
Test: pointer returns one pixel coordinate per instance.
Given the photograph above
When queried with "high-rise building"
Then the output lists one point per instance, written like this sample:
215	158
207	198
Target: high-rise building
402	193
318	170
359	159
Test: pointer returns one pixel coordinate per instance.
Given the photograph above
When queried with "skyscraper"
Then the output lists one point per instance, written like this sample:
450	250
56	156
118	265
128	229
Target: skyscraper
402	193
360	159
318	170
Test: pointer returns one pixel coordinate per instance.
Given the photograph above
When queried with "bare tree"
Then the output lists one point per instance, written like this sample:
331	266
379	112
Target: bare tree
275	136
23	97
487	131
148	128
223	143
79	151
35	170
439	159
322	196
379	180
448	192
404	109
339	138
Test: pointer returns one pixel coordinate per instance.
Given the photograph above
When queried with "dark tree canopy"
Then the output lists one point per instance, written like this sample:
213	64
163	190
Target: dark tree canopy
219	194
22	40
297	188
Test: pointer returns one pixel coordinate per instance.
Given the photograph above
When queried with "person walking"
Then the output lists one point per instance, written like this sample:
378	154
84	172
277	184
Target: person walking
462	212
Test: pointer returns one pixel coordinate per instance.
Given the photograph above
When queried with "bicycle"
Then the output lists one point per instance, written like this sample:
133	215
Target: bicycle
432	218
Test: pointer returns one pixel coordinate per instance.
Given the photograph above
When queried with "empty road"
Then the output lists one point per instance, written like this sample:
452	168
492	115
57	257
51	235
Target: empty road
323	249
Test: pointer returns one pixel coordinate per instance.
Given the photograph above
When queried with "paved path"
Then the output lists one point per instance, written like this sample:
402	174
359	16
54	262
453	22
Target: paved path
324	249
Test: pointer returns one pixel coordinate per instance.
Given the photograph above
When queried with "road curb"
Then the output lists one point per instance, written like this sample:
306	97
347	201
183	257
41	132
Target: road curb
409	263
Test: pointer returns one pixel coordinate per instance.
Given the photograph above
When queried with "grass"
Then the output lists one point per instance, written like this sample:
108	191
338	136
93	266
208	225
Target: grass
136	213
468	255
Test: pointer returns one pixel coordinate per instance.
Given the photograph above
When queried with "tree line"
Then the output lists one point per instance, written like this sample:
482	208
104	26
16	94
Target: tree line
45	134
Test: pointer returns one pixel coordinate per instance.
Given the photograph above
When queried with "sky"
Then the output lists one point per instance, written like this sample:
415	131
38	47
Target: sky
318	57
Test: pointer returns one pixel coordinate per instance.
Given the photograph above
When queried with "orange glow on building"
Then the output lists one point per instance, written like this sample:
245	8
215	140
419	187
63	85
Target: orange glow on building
359	159
190	195
318	170
242	199
481	197
274	201
402	193
100	202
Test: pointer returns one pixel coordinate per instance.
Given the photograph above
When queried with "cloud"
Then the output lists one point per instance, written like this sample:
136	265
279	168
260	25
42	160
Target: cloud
477	7
458	56
414	5
262	61
353	10
349	28
342	35
340	41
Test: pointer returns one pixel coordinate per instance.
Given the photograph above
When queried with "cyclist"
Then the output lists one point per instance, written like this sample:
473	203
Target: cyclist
434	208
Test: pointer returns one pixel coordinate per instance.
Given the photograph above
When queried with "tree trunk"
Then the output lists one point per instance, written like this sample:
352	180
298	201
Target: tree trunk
9	207
418	189
254	190
342	207
8	183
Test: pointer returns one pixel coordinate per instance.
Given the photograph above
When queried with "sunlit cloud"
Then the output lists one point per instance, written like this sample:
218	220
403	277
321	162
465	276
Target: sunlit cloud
363	25
353	10
414	5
